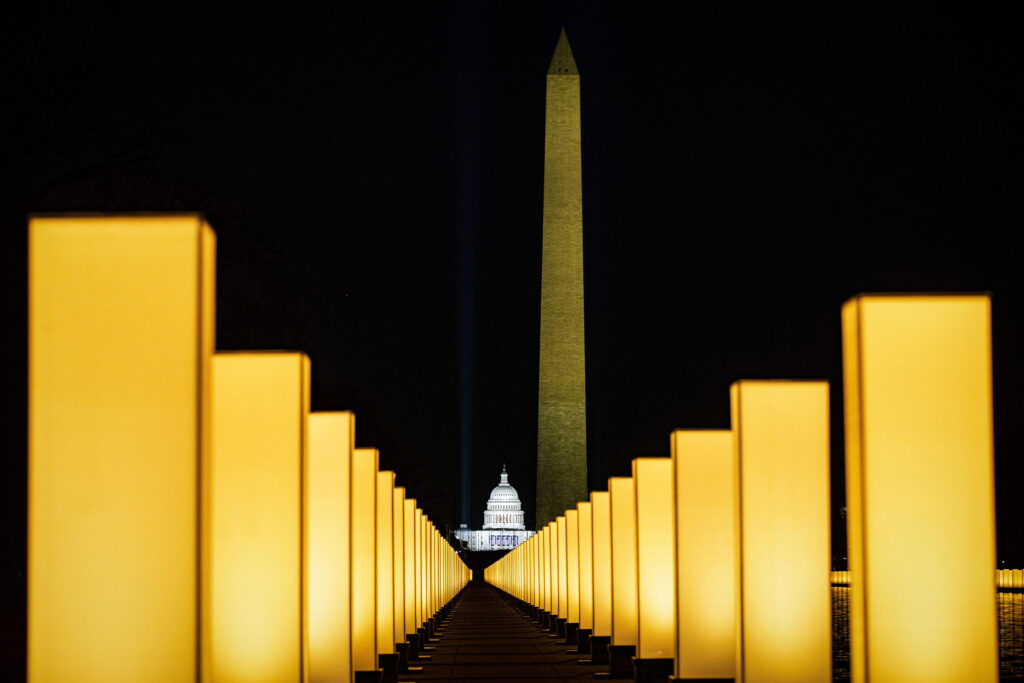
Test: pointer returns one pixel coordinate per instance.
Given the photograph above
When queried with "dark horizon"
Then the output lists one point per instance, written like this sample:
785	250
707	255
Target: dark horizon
374	175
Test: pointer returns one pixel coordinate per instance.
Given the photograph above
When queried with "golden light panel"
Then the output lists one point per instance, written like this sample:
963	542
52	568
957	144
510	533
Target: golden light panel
552	528
385	563
572	565
254	597
623	560
410	566
784	627
120	338
602	562
428	593
364	559
586	558
563	590
428	567
538	568
331	441
705	554
545	567
398	515
918	399
421	609
655	563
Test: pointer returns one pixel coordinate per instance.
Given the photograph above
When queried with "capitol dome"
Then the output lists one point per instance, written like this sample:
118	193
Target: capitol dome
504	511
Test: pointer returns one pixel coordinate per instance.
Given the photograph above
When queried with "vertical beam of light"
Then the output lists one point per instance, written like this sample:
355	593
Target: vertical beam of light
120	339
398	513
410	567
331	441
468	173
586	555
364	559
918	399
705	554
784	627
601	536
385	563
623	560
260	416
653	496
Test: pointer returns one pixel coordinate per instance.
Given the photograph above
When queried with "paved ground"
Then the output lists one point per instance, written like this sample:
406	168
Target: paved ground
488	640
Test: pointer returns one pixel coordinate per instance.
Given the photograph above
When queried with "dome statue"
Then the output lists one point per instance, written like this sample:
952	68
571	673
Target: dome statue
504	511
504	523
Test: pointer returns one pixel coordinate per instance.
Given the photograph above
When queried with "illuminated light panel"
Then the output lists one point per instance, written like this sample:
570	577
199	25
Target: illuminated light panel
602	562
421	608
623	560
542	566
784	626
385	563
260	416
120	337
563	579
398	513
410	566
331	441
553	562
364	559
586	557
655	564
572	565
428	589
705	554
918	401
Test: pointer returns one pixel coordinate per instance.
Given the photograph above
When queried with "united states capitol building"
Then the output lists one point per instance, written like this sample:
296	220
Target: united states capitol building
503	521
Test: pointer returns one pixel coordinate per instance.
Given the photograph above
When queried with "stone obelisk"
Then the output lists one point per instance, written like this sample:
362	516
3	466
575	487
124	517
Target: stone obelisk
562	403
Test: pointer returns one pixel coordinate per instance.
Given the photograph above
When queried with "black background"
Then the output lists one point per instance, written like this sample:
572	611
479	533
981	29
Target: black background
374	175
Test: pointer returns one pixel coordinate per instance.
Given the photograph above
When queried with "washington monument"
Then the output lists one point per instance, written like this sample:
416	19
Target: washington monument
561	400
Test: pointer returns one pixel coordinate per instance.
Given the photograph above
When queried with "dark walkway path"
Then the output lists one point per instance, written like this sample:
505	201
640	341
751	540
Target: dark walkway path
488	640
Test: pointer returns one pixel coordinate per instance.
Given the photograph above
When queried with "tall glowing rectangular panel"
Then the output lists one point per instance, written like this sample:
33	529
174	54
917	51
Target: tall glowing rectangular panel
563	579
542	565
705	554
120	339
399	547
655	562
385	563
623	560
553	562
572	565
428	599
602	560
331	441
586	559
918	401
410	566
784	603
260	418
364	559
421	609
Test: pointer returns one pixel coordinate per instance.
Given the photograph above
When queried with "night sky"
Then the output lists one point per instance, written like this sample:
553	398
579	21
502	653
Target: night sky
374	176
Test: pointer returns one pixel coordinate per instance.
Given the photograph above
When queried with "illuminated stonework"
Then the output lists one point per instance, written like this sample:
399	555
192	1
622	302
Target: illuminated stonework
561	404
503	521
